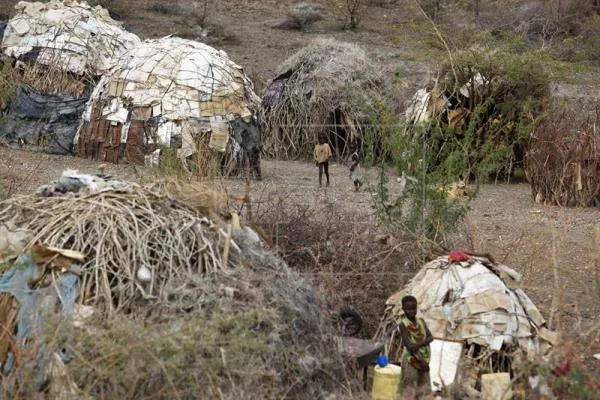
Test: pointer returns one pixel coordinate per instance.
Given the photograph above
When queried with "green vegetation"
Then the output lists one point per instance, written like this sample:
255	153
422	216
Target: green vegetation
508	95
499	98
424	210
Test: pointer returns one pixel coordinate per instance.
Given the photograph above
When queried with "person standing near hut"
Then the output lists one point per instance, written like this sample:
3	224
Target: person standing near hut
322	154
416	338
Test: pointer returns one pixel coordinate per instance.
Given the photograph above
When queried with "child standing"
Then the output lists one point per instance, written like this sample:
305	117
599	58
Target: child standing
416	338
322	154
355	171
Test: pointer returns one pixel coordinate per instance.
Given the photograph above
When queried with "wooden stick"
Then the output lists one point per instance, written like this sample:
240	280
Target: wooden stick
225	257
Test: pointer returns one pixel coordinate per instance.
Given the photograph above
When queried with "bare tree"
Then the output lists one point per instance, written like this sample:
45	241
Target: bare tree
355	9
201	7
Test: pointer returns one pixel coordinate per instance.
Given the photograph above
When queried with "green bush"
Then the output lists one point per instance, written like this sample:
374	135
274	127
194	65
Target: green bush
424	211
508	95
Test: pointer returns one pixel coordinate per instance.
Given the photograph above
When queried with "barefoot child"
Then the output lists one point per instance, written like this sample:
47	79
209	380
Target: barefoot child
417	353
355	171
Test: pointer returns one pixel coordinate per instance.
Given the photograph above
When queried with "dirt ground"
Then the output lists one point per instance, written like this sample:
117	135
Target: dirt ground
552	247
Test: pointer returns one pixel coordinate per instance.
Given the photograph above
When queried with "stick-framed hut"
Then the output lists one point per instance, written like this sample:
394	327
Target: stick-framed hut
562	160
172	92
325	88
151	291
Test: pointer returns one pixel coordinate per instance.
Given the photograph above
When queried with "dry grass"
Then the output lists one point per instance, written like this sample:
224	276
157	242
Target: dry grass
258	333
302	15
45	79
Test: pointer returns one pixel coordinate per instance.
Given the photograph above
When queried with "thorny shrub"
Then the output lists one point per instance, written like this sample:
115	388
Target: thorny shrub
423	213
507	95
348	260
302	15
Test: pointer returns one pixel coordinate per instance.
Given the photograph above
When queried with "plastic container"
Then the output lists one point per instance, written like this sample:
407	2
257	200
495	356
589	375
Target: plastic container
382	360
386	382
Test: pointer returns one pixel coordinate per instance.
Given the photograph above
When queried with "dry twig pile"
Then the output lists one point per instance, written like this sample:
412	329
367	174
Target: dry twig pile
123	232
563	162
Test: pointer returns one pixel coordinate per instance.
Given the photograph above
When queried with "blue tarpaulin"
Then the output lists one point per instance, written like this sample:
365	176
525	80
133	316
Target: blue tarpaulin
36	304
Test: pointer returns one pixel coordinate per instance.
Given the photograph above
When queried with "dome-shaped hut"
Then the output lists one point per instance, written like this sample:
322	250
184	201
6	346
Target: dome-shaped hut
324	89
58	50
159	286
69	35
175	93
480	318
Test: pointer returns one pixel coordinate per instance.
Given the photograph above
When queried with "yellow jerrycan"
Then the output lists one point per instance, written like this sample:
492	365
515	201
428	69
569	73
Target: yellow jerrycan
386	382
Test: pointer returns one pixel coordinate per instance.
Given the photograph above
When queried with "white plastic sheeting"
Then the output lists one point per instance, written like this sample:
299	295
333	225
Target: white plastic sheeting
470	302
186	87
418	110
424	106
71	35
445	359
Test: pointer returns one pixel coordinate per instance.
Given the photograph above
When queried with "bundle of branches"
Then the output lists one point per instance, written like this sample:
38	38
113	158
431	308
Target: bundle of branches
482	112
325	88
206	322
123	233
563	161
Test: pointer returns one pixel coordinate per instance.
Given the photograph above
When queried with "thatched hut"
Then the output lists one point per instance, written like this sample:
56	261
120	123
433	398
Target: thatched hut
151	292
175	93
326	88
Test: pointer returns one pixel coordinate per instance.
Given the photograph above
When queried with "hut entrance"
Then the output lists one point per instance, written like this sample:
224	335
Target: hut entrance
341	134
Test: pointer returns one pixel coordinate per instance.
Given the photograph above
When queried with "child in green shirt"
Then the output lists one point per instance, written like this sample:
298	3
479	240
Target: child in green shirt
417	353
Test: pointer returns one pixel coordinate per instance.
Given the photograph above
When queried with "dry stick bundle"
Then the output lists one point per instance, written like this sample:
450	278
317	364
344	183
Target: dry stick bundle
563	161
122	232
52	79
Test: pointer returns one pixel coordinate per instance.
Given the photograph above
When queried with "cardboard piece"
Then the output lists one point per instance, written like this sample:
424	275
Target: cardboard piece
496	386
